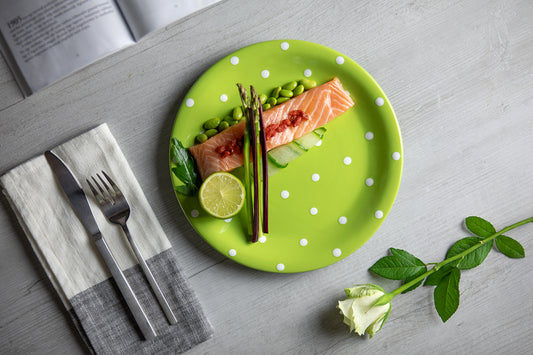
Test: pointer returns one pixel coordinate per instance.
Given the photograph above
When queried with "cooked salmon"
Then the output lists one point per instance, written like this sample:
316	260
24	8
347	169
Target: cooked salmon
283	124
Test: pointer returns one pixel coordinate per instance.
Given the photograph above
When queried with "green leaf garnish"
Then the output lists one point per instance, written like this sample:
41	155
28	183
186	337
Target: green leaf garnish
184	169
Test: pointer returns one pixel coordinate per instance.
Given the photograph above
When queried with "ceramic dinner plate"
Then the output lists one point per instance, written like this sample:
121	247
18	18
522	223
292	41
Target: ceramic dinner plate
328	202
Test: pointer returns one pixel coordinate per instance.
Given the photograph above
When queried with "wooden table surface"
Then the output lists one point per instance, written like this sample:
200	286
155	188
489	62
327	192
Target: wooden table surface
459	75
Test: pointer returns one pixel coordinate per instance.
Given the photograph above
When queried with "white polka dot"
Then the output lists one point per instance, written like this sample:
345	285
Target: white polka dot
342	220
315	177
369	136
396	156
265	73
189	102
319	143
280	267
195	213
234	60
369	182
223	97
379	214
347	160
232	252
337	252
284	46
303	242
339	60
285	194
308	72
227	220
313	211
380	101
262	239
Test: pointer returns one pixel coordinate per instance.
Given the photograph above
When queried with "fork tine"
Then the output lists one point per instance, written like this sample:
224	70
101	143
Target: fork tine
109	190
95	192
112	183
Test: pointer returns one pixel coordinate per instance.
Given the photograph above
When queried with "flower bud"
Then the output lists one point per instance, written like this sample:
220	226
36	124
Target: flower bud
359	311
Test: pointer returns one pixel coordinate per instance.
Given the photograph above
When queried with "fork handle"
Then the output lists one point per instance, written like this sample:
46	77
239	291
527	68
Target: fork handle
150	277
126	291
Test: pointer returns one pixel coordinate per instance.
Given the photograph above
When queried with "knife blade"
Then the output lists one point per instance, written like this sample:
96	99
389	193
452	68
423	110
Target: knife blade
80	205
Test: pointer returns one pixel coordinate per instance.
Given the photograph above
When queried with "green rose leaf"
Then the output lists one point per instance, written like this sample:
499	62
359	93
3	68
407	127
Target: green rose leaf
479	226
446	295
411	278
473	258
398	266
434	279
510	247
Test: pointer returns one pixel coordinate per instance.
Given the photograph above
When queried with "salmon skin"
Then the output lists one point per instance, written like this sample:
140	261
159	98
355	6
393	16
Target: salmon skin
283	124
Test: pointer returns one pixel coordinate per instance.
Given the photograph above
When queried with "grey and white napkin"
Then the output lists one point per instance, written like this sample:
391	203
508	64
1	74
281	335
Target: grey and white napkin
74	266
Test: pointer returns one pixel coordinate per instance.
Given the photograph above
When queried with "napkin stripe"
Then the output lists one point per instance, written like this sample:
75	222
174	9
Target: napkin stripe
111	328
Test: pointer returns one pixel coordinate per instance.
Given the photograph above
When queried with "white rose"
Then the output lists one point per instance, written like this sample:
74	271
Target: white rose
359	311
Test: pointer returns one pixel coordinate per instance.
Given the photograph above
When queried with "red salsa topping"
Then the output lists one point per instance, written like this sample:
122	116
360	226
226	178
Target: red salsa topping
294	119
235	146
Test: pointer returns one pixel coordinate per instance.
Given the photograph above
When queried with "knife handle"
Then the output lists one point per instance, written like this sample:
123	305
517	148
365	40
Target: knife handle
125	288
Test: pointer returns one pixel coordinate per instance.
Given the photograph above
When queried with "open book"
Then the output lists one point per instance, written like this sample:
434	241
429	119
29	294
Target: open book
45	40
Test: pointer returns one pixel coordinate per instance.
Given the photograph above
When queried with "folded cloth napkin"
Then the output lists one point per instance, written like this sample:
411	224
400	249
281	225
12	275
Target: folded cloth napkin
75	268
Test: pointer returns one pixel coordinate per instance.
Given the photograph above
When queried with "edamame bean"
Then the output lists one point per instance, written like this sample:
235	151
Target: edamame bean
298	90
272	101
228	118
282	100
237	113
263	98
308	83
212	123
211	132
222	126
290	85
201	138
275	92
266	106
233	122
286	93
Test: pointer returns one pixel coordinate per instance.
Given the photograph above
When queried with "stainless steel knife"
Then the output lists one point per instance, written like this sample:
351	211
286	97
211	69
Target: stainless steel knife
80	205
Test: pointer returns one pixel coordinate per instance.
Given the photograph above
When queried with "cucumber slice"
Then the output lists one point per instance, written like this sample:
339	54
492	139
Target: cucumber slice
282	155
320	131
272	168
309	140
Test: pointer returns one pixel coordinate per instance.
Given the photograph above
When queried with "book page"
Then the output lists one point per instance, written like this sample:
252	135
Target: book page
145	16
48	40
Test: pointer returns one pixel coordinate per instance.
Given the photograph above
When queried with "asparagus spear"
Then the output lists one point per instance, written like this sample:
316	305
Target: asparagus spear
264	162
246	152
254	142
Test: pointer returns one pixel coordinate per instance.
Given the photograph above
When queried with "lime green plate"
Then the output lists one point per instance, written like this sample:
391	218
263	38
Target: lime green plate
328	202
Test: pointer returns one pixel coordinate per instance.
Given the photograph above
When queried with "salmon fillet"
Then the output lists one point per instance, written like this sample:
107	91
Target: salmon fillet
319	105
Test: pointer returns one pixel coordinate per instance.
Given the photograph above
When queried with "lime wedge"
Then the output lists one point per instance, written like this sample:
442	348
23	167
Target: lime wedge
222	195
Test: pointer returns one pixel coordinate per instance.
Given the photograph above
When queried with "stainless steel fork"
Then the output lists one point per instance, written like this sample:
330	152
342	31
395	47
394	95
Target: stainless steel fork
117	210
